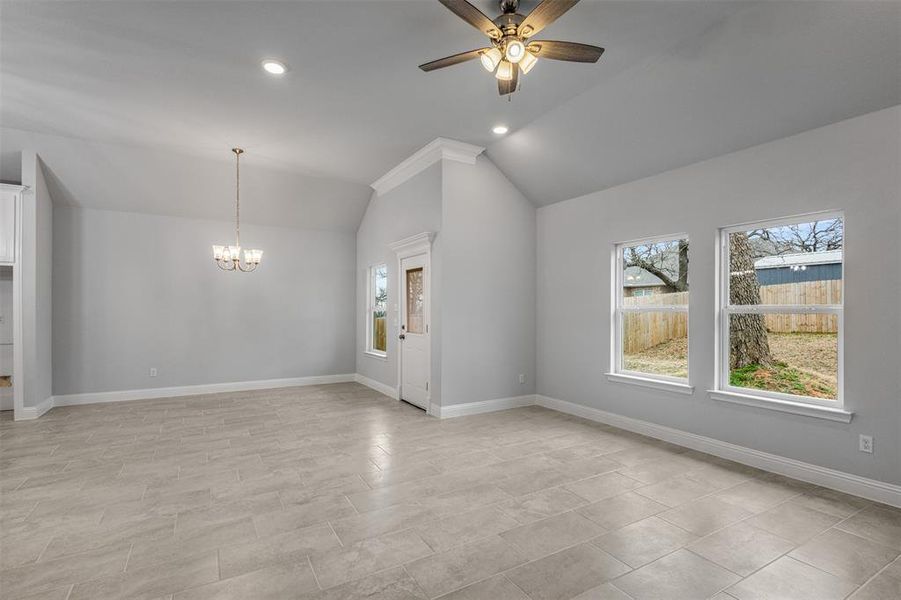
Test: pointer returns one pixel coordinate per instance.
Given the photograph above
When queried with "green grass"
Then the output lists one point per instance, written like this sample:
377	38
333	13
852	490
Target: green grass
782	378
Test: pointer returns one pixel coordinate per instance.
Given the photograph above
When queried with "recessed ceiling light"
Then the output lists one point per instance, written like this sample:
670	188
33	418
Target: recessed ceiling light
500	129
274	67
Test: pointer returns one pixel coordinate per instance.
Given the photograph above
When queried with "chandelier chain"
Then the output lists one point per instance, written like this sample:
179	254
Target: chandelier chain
237	152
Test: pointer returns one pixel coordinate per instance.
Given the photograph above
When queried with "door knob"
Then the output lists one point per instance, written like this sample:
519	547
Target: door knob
401	337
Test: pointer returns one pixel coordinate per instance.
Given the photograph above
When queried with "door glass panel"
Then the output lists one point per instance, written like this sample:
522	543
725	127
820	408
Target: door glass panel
415	313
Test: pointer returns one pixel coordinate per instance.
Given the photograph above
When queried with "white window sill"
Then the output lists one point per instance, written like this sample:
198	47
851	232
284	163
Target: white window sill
649	382
796	408
375	355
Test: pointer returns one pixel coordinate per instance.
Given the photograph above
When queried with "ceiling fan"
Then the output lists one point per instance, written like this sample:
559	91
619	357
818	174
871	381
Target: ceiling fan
511	51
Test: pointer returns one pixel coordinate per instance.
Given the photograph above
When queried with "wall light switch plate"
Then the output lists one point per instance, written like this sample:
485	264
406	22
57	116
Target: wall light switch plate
522	378
153	371
866	444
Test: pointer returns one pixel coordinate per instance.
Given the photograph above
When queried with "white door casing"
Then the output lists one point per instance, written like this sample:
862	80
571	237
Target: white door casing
15	194
413	326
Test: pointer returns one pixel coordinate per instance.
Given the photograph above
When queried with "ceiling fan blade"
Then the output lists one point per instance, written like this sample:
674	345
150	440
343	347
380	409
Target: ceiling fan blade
570	51
508	87
544	14
473	16
448	61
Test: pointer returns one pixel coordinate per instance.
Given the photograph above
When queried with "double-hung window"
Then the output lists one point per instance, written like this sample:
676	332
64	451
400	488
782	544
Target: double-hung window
650	316
781	321
377	311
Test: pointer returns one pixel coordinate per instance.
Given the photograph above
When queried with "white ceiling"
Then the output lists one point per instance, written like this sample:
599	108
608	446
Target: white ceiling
681	81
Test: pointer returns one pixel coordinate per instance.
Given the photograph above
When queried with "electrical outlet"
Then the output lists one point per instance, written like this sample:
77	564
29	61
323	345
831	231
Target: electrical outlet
522	378
866	444
153	371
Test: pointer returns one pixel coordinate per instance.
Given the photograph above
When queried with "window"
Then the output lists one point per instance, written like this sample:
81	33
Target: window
651	309
781	309
377	311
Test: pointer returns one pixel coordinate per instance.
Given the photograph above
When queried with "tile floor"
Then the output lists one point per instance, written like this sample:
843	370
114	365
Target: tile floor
338	492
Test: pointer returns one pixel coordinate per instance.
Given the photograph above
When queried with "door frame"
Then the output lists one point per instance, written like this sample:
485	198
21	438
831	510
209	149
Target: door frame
416	245
18	318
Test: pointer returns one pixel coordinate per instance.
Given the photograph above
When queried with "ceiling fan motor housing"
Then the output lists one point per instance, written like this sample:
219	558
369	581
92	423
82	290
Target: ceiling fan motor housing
508	23
509	6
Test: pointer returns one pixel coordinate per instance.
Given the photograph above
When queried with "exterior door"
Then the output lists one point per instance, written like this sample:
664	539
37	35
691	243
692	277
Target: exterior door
414	330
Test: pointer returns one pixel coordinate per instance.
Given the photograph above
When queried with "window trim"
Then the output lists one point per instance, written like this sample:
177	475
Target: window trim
723	391
369	350
617	373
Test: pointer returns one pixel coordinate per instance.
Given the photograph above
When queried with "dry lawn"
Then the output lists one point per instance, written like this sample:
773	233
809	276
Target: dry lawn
807	364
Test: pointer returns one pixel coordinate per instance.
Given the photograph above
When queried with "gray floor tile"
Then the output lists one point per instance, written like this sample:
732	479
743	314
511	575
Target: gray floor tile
567	573
681	575
789	578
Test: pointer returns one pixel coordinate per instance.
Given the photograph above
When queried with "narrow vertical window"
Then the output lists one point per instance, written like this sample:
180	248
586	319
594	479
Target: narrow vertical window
781	297
377	311
651	309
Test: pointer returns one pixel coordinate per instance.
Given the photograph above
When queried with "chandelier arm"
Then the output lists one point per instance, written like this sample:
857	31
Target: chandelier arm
246	267
225	265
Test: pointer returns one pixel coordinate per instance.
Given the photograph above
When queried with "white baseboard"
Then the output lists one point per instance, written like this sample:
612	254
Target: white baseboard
29	413
192	390
376	385
485	406
871	489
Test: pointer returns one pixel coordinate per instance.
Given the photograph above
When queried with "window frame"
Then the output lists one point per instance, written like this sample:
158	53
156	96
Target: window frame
371	308
617	372
724	310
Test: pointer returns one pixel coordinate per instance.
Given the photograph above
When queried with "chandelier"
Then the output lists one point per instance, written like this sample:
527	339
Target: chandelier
229	257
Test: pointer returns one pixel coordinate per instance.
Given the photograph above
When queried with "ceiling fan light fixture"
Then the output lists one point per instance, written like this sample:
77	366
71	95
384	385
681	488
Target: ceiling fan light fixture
528	61
490	59
504	71
515	50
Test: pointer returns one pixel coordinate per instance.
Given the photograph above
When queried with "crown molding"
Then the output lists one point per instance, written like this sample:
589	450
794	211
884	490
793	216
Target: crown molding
438	149
415	244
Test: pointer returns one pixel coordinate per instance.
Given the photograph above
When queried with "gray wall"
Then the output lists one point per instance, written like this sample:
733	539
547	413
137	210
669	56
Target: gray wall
852	165
411	208
134	291
489	274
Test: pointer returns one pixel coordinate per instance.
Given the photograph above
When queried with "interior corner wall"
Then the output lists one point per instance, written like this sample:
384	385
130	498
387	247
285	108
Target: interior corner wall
134	291
37	282
488	314
411	208
852	166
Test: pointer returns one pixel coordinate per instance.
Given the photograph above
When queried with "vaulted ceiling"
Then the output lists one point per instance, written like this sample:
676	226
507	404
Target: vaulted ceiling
680	82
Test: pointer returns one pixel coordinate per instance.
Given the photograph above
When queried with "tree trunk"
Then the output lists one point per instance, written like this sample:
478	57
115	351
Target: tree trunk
747	333
682	283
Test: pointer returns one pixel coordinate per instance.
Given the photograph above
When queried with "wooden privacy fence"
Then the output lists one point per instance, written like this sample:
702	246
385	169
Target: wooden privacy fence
379	335
805	293
646	330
